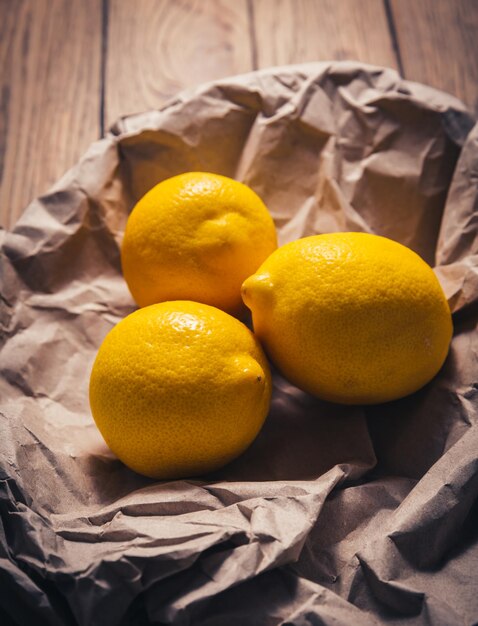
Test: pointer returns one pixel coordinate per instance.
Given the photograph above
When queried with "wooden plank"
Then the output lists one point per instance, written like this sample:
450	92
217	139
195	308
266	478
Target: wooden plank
295	31
438	41
50	53
156	48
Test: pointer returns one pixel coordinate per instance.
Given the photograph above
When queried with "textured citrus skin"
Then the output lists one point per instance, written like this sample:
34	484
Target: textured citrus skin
196	236
350	317
179	388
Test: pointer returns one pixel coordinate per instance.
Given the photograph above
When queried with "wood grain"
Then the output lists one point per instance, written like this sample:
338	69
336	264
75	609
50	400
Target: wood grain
49	94
51	105
157	48
294	31
438	40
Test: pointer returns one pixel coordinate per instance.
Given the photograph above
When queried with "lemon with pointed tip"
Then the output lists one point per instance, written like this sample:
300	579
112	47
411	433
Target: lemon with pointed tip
179	388
350	317
196	236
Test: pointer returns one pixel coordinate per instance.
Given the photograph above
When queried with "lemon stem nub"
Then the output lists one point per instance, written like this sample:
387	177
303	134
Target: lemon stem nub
257	287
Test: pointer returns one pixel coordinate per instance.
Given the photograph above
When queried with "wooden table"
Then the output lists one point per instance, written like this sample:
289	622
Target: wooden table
69	68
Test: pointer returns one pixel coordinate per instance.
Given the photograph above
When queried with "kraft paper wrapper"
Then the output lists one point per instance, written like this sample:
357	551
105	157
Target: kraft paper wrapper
335	515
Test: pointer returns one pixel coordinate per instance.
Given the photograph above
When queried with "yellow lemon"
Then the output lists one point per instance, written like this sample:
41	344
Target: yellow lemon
196	236
179	388
350	317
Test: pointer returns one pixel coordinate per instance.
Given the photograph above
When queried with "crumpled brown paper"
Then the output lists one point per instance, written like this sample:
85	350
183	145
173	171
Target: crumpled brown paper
335	515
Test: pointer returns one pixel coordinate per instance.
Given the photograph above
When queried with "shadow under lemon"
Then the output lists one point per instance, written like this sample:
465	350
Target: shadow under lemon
302	438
